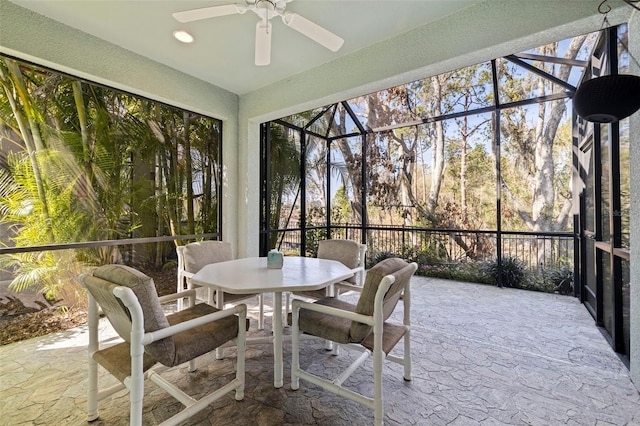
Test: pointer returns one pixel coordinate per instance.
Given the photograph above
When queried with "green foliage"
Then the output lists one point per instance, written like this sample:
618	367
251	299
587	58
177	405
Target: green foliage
284	158
513	272
90	164
53	273
460	271
538	282
560	279
421	255
313	237
378	257
515	275
341	210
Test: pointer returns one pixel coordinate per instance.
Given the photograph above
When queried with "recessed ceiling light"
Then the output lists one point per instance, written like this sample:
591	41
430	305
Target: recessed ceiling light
183	36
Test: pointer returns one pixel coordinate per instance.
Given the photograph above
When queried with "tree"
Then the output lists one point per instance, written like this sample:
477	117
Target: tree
284	178
535	146
91	164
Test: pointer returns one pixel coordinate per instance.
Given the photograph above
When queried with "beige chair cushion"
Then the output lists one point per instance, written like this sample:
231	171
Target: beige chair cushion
312	294
199	340
170	351
116	360
345	251
145	290
393	266
346	331
327	326
338	329
199	254
391	335
116	312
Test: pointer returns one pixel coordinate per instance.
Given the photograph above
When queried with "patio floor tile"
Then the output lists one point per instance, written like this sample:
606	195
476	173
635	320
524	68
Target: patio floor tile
481	356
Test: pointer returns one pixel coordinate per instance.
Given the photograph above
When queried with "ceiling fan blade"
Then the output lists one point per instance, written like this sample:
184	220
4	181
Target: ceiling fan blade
314	31
207	12
263	43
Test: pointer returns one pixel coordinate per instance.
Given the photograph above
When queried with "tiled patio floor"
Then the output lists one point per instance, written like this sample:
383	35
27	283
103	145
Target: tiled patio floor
481	355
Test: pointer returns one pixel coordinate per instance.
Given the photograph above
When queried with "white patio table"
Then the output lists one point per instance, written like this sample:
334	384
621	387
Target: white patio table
250	275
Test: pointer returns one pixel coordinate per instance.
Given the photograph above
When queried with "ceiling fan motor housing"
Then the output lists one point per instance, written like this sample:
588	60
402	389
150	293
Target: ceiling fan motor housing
267	9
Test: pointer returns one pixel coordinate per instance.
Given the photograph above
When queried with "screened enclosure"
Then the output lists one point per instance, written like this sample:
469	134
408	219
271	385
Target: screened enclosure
465	165
91	175
474	173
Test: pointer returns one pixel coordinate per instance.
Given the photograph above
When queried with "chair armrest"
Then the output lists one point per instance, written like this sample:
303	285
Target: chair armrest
358	269
298	304
348	286
191	294
192	323
186	274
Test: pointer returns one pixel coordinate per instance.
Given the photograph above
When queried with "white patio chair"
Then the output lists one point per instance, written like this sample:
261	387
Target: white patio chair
363	327
194	256
129	300
349	253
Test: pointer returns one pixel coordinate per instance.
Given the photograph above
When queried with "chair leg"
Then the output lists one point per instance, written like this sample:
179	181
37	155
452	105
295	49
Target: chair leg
287	305
407	356
136	392
219	303
336	349
241	347
261	312
295	348
378	413
92	391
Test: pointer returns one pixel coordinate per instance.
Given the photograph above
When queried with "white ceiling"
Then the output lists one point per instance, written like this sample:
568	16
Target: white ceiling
223	53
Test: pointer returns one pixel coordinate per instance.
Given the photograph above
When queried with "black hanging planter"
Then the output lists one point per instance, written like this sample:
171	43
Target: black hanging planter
608	99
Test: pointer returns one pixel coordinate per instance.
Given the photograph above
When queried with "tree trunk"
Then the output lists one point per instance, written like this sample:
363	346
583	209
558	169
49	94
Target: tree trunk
437	158
30	133
189	173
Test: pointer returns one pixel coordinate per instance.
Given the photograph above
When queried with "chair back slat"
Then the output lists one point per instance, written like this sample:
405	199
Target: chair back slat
199	254
402	277
401	271
345	251
153	315
362	252
117	314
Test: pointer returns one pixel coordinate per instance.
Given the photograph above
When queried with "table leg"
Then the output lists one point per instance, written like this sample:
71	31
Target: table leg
277	340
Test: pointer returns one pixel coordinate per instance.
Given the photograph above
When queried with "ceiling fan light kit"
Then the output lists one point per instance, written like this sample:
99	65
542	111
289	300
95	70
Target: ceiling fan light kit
266	10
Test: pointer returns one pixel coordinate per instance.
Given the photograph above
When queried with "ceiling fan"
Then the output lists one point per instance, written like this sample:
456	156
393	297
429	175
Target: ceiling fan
266	10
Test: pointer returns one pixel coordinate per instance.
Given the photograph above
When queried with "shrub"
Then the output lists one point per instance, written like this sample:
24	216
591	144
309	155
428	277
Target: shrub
538	282
378	257
513	273
420	255
459	271
560	279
